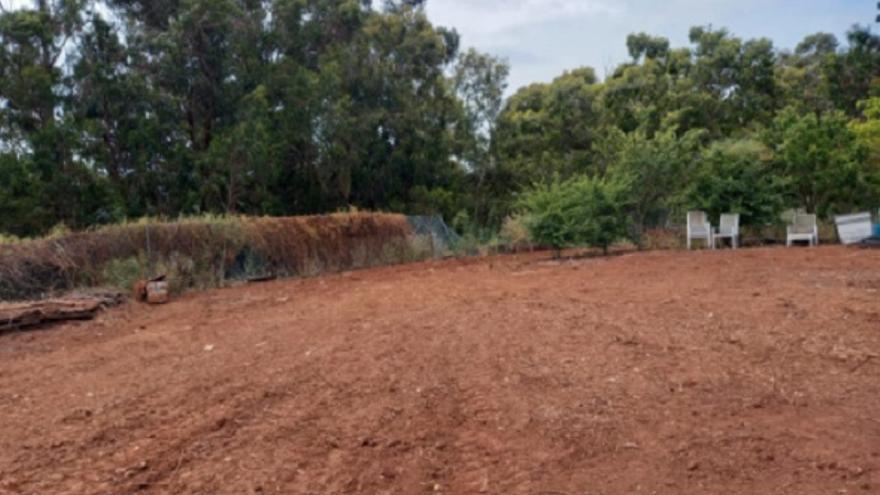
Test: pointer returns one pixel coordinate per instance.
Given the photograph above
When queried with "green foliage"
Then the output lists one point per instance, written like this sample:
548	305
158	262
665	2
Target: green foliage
122	273
549	129
581	211
20	197
818	155
643	44
736	177
656	170
177	107
515	232
850	75
479	81
195	106
867	130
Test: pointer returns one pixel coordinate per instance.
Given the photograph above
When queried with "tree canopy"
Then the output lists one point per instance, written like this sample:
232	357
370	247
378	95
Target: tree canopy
118	109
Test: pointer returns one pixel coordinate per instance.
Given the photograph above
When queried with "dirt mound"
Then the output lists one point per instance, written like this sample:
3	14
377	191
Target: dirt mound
754	371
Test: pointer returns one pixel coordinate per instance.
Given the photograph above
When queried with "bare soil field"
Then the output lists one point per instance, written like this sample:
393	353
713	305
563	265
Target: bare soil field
748	372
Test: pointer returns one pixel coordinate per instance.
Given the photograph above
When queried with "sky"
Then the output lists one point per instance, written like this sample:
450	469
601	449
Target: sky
542	38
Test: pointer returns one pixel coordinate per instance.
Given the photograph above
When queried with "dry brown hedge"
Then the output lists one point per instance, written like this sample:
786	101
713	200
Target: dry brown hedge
204	252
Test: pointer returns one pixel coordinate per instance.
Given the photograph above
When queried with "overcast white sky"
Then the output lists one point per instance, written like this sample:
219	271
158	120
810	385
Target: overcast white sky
542	38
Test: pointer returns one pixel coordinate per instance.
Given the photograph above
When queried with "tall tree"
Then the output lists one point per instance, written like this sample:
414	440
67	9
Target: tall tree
480	80
819	158
34	43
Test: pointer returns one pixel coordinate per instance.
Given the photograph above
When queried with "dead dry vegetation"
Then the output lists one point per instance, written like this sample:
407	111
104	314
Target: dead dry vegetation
204	252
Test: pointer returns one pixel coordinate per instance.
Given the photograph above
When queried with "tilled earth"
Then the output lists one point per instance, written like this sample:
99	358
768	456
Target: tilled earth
755	371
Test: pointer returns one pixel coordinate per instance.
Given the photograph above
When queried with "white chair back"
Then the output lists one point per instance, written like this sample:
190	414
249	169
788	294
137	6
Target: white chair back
729	224
804	224
698	221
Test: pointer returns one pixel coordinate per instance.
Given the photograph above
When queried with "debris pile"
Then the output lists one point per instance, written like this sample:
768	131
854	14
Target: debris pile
16	316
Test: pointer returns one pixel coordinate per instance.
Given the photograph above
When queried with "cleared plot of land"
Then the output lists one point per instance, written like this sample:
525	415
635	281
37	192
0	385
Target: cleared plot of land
755	371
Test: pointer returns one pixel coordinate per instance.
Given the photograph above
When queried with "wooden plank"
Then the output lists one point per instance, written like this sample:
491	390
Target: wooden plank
16	316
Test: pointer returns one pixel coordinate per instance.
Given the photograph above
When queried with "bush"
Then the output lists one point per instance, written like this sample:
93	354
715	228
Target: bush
736	177
515	233
826	169
656	169
582	211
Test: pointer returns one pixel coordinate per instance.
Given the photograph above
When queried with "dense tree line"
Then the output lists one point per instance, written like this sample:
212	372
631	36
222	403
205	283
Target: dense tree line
128	108
125	108
723	125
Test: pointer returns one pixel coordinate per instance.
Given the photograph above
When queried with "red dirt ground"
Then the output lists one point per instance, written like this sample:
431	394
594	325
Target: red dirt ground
746	372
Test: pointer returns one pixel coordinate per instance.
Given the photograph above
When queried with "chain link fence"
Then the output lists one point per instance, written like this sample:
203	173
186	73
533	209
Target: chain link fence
442	238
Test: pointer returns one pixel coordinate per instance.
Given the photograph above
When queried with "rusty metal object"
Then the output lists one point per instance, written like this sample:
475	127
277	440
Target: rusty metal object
152	291
139	291
157	292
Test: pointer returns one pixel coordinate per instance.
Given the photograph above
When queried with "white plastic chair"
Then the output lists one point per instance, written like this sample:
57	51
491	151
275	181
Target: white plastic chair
698	227
728	228
803	228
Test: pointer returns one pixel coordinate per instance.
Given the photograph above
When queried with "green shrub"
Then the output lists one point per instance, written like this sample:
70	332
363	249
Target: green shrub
826	169
123	273
735	177
582	211
515	233
469	244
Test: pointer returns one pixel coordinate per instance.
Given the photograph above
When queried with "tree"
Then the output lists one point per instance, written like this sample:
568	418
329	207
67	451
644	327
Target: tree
656	171
21	197
644	45
124	108
851	74
821	161
479	81
737	77
237	170
549	129
867	129
118	117
736	177
801	77
33	92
